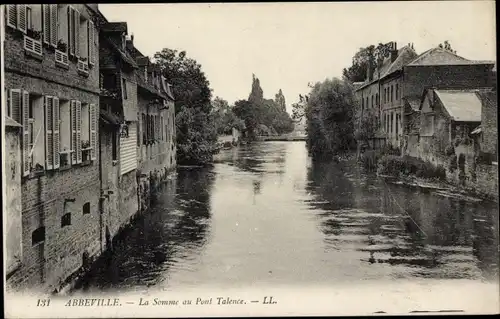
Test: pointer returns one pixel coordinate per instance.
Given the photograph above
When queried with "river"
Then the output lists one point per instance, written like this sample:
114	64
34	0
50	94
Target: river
266	214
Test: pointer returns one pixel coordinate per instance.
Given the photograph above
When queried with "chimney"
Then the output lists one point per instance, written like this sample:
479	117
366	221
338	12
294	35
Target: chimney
132	38
394	51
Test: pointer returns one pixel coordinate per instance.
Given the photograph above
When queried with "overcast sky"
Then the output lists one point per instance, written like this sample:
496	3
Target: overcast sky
288	45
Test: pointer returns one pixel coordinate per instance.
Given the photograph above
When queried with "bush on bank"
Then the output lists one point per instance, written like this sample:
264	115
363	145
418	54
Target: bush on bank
409	166
369	158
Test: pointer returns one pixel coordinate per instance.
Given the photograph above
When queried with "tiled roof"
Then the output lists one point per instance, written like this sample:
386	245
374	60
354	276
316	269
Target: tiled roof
405	55
123	53
440	56
461	105
413	103
9	121
142	60
115	27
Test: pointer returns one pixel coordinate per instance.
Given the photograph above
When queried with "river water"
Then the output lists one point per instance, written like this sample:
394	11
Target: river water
266	214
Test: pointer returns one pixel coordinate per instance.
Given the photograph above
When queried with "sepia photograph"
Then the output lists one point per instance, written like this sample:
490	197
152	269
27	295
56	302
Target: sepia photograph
249	159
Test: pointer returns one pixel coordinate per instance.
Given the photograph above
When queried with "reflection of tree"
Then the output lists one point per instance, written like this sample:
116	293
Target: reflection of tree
329	186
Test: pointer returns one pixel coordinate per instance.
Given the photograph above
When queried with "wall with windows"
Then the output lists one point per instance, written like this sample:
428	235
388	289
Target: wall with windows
392	106
53	93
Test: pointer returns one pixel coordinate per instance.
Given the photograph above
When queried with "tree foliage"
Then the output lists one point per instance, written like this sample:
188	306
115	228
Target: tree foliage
224	117
263	116
329	113
196	134
367	57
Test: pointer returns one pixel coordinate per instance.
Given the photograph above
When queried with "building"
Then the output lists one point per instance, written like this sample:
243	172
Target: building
392	92
381	94
156	140
118	109
52	90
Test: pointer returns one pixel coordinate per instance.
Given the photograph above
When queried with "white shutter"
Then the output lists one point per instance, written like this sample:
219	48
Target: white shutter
46	23
15	105
73	132
77	32
11	15
71	32
93	131
49	137
22	24
91	40
24	106
55	132
78	132
53	25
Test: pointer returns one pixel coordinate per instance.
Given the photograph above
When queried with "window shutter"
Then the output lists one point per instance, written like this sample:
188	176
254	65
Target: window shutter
78	132
55	132
93	131
15	105
49	137
73	132
46	23
77	32
23	104
71	33
21	17
12	15
91	34
53	25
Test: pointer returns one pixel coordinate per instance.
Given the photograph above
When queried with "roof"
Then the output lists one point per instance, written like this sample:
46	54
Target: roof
441	56
414	104
405	55
109	118
114	27
477	130
9	121
461	105
122	53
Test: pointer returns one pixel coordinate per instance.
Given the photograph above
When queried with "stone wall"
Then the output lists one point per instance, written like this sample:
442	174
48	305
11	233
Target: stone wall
12	201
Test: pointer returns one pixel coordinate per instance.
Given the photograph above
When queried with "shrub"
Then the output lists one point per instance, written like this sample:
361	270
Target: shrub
406	165
485	158
450	150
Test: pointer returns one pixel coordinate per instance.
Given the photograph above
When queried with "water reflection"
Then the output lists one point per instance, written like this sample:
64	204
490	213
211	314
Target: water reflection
174	230
429	235
268	214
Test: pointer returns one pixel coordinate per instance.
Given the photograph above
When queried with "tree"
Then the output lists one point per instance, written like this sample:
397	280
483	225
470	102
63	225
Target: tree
367	57
280	101
257	94
329	113
196	134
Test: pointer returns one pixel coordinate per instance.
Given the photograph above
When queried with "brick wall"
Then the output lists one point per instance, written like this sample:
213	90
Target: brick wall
45	198
489	136
417	78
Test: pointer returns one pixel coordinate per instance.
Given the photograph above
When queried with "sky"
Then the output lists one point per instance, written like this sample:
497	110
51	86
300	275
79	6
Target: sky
287	45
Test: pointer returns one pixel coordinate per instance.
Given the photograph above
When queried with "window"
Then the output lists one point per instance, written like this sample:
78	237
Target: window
377	99
367	104
362	103
397	125
62	28
124	88
372	102
392	93
38	236
73	31
66	220
83	42
114	146
50	22
16	16
161	128
144	129
86	208
397	91
65	133
392	122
